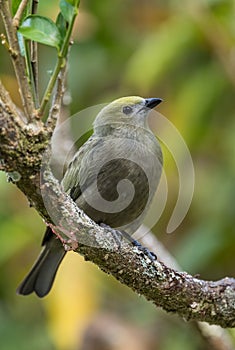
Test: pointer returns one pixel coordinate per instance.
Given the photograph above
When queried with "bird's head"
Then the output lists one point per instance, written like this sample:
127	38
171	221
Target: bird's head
131	109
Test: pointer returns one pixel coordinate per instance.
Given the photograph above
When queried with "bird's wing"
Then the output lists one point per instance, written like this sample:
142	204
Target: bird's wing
71	179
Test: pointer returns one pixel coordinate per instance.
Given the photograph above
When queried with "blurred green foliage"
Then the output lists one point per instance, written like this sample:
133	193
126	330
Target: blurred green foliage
180	51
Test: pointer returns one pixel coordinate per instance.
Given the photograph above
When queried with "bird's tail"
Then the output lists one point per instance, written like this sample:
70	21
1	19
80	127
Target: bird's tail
42	274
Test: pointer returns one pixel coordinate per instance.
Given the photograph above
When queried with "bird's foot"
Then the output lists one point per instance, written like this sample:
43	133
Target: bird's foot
118	235
137	244
152	256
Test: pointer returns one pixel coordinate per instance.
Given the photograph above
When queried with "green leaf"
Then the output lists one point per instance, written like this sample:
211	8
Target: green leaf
61	25
42	30
67	10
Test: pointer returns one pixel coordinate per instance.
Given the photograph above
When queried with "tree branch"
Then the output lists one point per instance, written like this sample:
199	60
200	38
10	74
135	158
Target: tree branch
17	60
21	150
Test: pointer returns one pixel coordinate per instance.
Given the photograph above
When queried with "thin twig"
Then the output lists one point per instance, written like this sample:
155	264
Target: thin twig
30	73
57	100
19	13
35	6
5	43
34	58
34	65
18	61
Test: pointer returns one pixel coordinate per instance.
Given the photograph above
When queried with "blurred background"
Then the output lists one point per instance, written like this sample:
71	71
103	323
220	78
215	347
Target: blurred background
183	52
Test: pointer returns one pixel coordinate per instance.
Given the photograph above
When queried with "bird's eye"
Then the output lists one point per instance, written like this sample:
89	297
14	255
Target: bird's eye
127	110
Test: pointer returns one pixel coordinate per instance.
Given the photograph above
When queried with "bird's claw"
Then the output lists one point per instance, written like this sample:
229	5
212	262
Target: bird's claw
118	235
152	256
115	233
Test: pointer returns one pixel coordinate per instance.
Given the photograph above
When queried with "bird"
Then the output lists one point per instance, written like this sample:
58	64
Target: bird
112	177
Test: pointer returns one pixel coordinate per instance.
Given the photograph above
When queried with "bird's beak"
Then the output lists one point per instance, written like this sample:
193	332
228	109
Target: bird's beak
152	102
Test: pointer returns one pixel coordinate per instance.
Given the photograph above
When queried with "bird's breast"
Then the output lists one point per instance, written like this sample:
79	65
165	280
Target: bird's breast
118	179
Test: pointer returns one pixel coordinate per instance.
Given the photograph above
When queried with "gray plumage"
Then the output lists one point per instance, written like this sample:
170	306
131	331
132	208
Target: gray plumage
121	147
